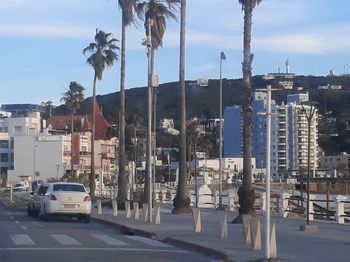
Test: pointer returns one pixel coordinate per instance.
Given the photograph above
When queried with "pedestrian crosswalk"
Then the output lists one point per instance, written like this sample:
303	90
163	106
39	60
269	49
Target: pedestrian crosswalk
65	240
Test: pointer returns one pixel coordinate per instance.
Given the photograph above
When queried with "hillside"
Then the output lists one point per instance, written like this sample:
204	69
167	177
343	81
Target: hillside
204	102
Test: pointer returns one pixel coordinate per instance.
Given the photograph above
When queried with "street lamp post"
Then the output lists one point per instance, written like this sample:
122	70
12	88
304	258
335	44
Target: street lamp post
309	113
222	57
57	168
169	166
268	114
148	43
268	170
34	160
195	172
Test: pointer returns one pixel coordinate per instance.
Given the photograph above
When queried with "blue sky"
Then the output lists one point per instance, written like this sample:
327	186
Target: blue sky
42	42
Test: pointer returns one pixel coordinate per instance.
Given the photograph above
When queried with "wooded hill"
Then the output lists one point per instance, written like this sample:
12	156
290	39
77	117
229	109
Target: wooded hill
203	102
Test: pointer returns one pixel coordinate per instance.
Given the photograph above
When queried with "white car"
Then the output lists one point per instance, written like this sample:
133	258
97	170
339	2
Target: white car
22	185
68	199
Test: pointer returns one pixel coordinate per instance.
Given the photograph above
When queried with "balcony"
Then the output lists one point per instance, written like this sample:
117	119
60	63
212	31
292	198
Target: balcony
85	153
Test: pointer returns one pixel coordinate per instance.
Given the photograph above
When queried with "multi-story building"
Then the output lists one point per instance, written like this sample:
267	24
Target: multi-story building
289	134
259	131
292	135
30	150
339	162
233	128
24	120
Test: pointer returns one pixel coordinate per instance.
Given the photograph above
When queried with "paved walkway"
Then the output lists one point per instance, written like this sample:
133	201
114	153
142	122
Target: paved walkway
330	243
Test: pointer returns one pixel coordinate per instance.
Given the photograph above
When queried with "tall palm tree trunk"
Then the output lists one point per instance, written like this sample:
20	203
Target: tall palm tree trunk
182	201
92	170
72	143
246	192
122	194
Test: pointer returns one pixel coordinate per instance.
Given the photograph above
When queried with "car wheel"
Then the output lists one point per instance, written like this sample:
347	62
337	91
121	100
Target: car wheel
35	212
29	211
46	216
87	219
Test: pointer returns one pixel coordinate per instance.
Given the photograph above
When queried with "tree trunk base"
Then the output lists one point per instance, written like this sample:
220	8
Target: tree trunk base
246	202
182	206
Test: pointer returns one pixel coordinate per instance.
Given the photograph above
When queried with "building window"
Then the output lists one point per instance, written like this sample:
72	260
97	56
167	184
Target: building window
18	129
3	129
4	143
4	157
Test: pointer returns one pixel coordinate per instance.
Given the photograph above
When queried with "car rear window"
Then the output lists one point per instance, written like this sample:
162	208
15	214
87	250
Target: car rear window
62	187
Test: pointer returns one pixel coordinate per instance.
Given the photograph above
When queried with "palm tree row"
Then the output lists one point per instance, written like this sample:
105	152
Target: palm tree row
73	98
104	54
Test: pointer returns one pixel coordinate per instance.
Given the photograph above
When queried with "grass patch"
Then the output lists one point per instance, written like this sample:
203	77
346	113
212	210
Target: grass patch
17	202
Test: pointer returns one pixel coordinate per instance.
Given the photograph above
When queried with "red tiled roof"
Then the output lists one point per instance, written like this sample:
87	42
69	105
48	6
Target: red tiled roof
82	123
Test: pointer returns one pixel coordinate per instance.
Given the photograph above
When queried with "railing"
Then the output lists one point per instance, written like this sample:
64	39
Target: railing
335	209
284	203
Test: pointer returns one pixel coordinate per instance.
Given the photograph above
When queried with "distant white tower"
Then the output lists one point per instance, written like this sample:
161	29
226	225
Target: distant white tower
287	66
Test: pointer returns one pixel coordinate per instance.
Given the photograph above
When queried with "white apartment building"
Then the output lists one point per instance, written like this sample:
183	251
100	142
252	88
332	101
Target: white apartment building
42	156
25	120
292	135
29	150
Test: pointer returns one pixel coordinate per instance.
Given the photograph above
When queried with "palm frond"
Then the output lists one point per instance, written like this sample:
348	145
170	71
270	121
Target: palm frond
90	48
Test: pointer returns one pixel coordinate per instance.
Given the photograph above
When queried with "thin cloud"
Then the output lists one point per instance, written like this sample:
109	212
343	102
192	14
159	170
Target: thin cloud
47	31
321	40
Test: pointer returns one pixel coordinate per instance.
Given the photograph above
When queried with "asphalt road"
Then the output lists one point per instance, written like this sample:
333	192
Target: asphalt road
24	238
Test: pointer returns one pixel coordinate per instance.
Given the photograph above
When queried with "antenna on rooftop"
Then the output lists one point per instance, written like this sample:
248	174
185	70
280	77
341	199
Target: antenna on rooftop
287	66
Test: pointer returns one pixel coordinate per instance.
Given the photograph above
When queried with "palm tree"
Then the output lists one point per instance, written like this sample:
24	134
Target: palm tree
73	99
182	201
158	11
246	192
127	7
103	54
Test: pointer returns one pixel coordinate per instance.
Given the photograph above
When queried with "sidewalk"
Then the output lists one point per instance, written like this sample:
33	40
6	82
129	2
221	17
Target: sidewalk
330	243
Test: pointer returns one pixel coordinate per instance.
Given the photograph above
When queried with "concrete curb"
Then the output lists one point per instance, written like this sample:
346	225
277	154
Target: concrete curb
199	248
126	230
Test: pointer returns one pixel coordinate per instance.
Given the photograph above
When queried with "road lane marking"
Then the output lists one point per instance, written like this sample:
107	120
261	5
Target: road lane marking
16	222
7	213
24	227
109	240
11	217
38	224
91	249
21	239
150	242
65	240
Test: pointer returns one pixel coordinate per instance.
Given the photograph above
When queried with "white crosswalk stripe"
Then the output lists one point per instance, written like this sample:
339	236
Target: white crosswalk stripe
21	239
65	239
109	240
149	242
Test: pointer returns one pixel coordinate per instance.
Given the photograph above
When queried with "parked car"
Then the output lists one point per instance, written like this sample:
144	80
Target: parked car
21	185
36	183
67	199
33	205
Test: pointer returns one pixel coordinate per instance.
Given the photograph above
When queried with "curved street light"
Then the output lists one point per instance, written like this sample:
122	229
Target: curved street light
309	109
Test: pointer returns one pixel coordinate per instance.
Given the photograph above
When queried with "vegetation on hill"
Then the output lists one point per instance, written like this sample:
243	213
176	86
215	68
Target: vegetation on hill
203	102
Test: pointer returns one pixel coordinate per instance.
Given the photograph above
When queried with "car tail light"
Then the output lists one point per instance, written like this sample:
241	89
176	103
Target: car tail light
87	198
52	197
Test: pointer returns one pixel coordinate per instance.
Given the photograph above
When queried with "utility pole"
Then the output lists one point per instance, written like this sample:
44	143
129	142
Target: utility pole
222	57
152	81
268	114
